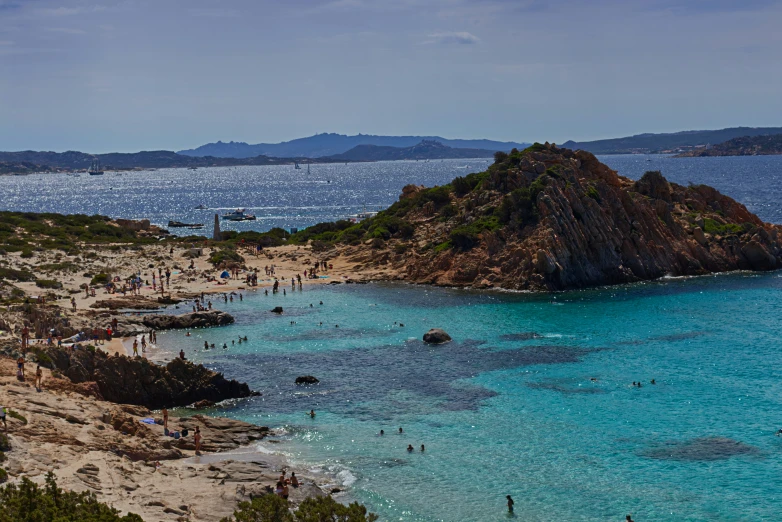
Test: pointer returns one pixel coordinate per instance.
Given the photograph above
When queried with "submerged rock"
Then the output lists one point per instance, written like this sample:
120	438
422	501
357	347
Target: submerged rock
306	379
701	449
276	310
436	336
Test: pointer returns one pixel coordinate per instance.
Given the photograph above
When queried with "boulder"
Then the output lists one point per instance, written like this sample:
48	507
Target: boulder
276	310
137	381
436	336
306	379
189	320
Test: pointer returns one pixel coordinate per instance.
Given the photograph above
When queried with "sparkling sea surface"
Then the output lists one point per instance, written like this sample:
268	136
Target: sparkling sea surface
534	396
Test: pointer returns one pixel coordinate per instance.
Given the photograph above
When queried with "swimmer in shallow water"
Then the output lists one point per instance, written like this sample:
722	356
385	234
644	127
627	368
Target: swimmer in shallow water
409	448
312	414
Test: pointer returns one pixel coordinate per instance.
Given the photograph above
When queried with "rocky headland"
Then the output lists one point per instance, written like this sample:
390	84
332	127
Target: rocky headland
550	218
743	146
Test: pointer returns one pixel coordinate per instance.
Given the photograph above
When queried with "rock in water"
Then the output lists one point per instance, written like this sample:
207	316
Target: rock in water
436	336
306	379
133	380
189	320
277	310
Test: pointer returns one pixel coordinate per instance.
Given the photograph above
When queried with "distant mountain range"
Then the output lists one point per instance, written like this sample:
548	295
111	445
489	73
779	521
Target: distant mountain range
426	149
158	159
330	144
668	143
744	146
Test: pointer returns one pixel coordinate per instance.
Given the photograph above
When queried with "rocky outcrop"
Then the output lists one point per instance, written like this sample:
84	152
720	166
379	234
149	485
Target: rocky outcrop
189	320
306	379
549	218
436	336
133	380
276	310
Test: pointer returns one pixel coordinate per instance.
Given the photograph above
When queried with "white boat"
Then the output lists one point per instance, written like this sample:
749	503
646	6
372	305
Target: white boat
364	214
238	215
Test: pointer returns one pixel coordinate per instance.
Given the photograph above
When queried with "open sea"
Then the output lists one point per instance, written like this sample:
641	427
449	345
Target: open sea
534	396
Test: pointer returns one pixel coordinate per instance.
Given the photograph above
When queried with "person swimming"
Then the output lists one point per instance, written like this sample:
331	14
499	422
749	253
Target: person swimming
410	448
510	503
383	433
312	414
400	430
422	448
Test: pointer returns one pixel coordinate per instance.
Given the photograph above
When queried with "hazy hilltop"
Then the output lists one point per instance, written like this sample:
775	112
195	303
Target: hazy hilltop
743	146
669	142
329	144
426	149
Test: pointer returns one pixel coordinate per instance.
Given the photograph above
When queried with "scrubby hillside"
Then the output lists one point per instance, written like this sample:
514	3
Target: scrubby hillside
548	218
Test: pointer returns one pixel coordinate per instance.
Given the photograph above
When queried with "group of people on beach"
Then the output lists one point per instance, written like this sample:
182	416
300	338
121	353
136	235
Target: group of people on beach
282	484
152	340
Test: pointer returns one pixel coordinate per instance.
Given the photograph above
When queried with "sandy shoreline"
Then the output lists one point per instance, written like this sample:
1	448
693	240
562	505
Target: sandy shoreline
84	451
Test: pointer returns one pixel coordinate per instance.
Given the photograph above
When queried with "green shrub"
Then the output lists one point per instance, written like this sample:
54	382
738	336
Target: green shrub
2	457
711	226
27	501
18	416
100	279
16	275
225	256
5	445
27	253
271	508
467	236
48	283
43	359
3	477
593	193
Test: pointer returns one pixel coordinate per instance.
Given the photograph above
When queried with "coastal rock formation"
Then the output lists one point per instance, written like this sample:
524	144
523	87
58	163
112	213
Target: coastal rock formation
306	379
134	380
436	336
549	218
742	146
189	320
276	310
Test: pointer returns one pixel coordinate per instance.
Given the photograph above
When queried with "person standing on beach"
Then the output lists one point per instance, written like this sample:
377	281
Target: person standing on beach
197	440
165	419
135	347
3	411
38	378
25	338
510	503
20	366
73	303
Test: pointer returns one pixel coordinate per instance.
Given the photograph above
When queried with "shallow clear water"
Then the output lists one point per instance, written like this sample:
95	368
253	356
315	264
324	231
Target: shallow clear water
502	411
283	197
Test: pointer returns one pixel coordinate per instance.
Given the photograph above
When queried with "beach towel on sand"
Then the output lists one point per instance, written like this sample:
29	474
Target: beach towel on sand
148	420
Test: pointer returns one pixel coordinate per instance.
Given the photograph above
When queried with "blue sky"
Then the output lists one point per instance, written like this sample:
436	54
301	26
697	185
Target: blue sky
126	75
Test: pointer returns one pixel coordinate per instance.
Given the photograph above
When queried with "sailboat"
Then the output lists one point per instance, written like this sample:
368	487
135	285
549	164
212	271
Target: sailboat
308	167
296	165
95	169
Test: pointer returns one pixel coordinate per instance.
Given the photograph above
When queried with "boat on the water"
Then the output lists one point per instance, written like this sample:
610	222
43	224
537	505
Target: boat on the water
192	168
296	165
95	169
201	207
238	215
364	214
179	224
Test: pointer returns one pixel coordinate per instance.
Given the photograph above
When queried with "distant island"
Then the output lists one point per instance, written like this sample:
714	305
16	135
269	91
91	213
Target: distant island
330	144
425	150
743	146
29	162
669	143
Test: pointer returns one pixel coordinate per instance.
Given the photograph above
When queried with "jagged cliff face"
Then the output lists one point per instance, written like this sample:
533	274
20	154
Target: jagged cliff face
554	219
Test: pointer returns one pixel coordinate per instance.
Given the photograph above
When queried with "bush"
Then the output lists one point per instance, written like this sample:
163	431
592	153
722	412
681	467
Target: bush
100	279
29	502
5	445
27	253
43	359
225	256
16	275
18	416
3	476
48	283
271	508
710	226
467	236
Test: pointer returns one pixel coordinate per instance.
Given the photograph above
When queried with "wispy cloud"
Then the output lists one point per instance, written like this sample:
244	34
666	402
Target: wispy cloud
68	11
456	37
213	12
65	30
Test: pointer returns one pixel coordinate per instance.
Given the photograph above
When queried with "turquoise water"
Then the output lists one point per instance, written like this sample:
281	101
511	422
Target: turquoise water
509	406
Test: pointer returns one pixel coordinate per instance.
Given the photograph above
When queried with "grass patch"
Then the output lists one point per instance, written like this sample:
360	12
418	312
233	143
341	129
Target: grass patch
49	284
711	226
225	256
11	274
100	279
18	416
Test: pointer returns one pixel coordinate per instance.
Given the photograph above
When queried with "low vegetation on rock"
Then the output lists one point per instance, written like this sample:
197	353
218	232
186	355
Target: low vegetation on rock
271	508
549	218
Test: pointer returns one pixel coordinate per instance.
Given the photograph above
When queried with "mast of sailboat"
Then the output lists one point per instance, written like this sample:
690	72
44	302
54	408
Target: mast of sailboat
308	167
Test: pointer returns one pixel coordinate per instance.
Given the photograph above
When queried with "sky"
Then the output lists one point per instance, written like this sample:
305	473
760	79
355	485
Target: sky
129	75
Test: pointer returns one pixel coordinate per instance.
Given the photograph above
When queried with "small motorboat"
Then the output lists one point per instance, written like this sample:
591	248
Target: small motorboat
238	215
201	207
